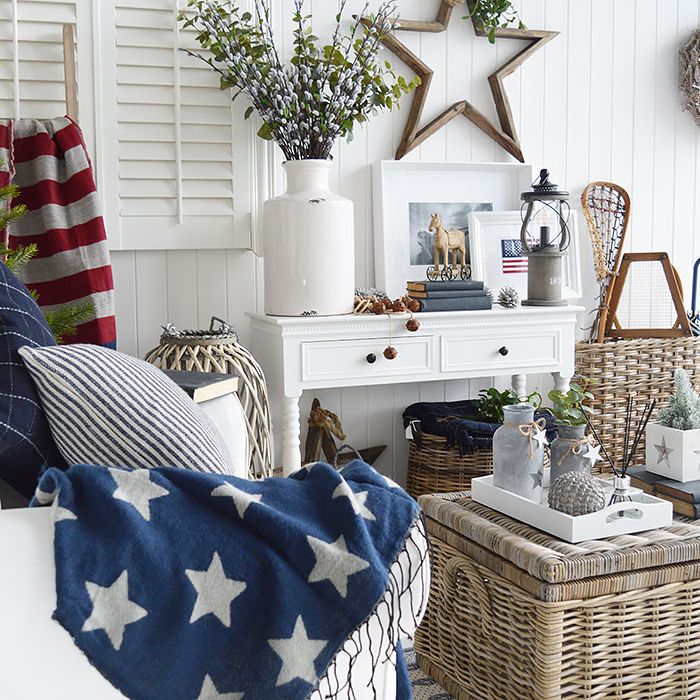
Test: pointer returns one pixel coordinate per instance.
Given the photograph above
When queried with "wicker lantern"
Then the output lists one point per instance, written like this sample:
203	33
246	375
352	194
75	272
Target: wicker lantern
218	350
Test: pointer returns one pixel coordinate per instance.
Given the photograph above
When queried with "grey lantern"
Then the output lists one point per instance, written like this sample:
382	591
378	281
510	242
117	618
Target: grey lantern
545	237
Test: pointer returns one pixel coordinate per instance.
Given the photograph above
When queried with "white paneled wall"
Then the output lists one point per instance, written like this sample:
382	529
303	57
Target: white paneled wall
599	102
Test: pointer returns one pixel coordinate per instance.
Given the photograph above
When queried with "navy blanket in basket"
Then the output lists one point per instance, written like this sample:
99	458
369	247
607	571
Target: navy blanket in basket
189	586
456	421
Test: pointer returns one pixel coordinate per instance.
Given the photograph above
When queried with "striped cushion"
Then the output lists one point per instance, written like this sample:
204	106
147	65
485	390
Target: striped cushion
108	408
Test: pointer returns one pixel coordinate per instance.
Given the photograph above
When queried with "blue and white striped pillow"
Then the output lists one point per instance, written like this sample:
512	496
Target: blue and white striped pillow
112	409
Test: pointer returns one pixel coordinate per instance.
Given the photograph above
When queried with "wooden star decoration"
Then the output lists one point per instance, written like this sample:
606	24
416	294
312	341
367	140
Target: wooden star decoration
506	135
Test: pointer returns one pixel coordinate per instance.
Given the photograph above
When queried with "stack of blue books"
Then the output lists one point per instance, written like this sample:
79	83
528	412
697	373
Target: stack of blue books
453	295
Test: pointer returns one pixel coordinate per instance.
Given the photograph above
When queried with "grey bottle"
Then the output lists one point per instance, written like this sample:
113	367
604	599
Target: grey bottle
568	452
517	458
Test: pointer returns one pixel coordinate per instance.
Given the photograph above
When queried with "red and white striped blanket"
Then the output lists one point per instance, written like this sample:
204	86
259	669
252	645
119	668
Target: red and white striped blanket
48	161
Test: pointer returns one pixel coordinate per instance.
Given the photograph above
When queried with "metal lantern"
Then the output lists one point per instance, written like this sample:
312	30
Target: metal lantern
545	237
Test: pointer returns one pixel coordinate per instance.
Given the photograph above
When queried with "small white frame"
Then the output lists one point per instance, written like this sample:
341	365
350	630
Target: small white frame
488	228
398	183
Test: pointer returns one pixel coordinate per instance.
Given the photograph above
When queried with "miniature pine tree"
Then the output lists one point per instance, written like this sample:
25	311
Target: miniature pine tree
62	321
682	411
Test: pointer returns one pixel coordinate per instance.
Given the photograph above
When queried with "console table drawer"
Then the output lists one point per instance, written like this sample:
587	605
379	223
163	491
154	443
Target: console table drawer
348	359
541	348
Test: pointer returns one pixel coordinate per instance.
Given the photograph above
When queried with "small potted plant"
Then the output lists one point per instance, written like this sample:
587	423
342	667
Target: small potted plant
673	440
570	450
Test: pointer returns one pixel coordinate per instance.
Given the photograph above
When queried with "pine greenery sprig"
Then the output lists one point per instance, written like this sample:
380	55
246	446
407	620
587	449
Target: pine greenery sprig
322	93
64	321
683	408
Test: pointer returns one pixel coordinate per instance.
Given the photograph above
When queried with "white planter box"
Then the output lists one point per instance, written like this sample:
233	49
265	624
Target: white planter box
644	512
673	453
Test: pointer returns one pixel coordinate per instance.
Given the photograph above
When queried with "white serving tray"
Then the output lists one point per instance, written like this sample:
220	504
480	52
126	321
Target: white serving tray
645	512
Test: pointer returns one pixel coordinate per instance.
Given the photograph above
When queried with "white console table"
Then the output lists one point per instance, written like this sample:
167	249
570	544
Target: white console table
314	352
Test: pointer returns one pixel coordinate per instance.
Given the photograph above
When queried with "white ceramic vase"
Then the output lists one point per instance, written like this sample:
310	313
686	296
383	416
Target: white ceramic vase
309	245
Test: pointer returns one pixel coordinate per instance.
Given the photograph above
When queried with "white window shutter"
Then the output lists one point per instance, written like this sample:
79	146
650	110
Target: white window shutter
182	151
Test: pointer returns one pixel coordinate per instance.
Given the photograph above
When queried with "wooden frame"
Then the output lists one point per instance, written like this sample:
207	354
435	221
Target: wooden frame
505	134
681	327
70	74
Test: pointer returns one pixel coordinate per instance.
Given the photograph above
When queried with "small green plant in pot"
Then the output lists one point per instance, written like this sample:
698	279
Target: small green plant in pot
492	402
673	440
570	450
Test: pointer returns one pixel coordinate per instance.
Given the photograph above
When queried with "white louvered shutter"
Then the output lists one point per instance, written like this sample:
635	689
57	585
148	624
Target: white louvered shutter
181	147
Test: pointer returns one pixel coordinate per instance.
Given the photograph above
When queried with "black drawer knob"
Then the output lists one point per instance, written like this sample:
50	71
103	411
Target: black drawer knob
371	358
503	351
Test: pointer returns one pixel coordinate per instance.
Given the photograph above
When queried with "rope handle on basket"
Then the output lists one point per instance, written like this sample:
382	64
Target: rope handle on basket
459	566
345	448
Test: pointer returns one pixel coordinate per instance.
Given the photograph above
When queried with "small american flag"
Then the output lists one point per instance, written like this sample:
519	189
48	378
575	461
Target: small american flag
512	256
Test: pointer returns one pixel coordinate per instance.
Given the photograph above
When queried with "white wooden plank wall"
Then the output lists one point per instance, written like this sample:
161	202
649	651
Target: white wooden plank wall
599	102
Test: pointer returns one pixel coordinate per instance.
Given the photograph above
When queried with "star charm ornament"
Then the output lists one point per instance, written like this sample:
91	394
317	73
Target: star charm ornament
540	437
298	654
357	500
593	454
334	563
663	452
215	591
136	488
241	498
505	134
112	610
210	692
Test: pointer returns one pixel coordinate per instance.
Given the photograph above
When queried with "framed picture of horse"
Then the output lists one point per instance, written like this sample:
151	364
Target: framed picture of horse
422	213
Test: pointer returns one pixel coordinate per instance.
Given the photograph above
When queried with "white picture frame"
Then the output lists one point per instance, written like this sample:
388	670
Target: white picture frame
397	184
488	229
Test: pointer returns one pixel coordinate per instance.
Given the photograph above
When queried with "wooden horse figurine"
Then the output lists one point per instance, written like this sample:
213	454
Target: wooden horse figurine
447	241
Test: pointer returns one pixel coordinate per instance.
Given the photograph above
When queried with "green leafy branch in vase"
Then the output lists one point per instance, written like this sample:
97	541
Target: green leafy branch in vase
490	15
492	402
569	408
63	320
321	94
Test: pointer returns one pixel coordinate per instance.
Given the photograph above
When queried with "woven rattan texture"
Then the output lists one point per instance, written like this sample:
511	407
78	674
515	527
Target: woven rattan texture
643	367
631	631
436	468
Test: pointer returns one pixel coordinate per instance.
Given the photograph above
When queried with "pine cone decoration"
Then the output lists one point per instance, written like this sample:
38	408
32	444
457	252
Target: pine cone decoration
576	493
508	298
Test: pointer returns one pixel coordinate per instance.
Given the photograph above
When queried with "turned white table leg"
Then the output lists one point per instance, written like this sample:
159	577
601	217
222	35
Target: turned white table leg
561	383
518	383
291	442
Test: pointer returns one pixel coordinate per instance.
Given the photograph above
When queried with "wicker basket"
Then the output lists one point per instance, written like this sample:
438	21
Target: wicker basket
517	615
642	366
436	468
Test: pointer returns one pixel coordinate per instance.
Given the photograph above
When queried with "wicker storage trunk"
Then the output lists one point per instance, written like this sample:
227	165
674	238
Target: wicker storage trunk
436	468
642	366
515	614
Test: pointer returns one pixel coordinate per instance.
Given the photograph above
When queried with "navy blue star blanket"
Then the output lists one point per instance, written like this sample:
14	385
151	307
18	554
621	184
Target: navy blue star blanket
194	586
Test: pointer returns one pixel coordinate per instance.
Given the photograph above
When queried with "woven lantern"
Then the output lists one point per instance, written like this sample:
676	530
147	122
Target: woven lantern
218	350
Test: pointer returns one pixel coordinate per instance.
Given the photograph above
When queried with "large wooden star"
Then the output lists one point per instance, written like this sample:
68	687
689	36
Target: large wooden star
506	136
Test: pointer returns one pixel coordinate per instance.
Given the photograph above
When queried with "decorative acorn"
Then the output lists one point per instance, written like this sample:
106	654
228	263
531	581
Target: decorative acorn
412	325
390	353
508	298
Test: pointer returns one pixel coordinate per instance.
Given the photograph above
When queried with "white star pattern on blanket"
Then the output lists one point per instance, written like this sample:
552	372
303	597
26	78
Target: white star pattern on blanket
112	610
210	692
137	489
241	498
334	563
298	654
215	591
357	500
59	513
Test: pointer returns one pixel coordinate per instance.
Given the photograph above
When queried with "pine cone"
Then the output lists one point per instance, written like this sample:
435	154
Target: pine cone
576	493
508	298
